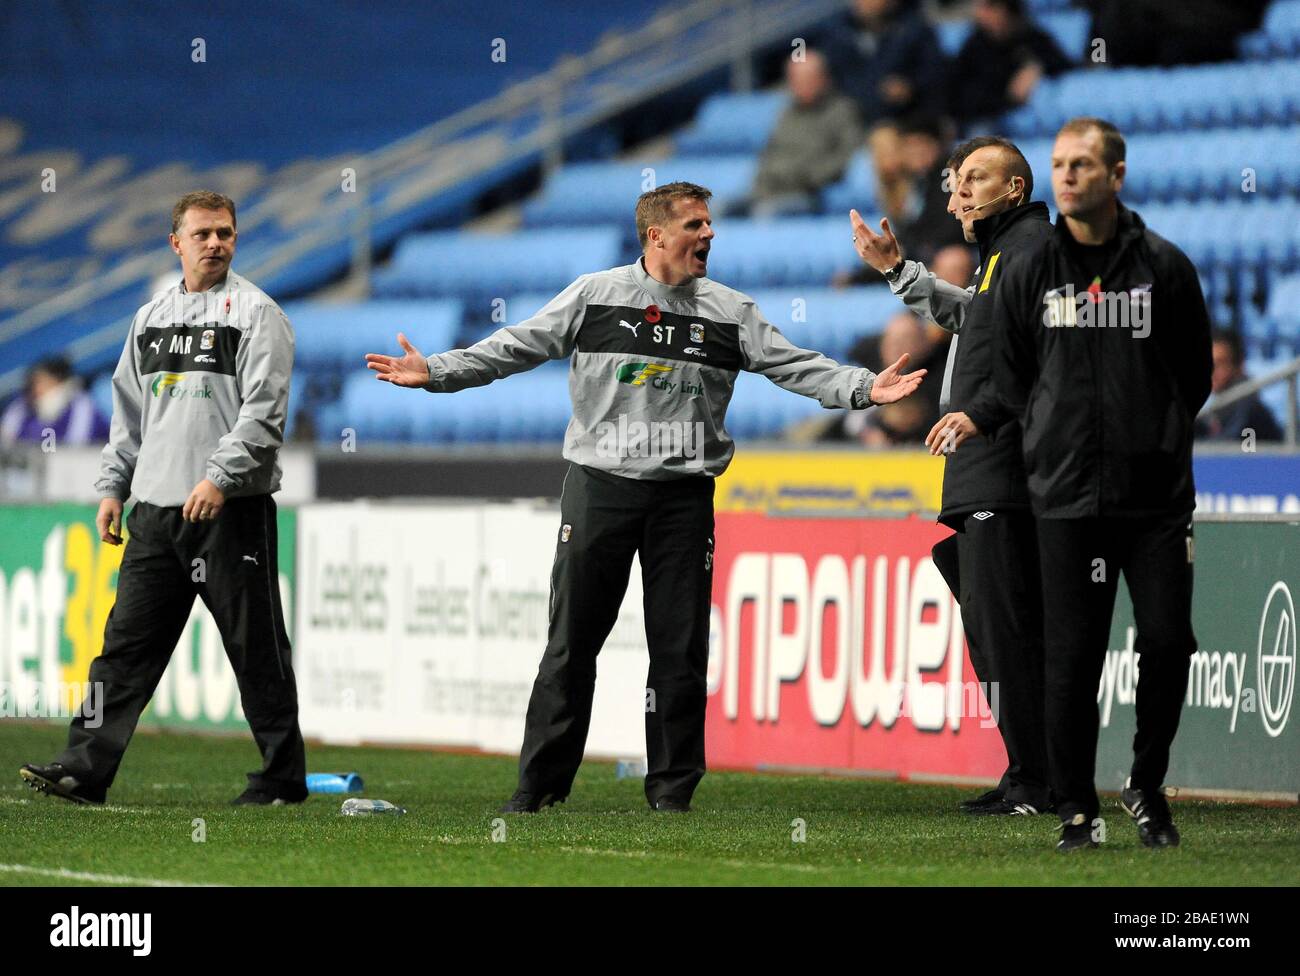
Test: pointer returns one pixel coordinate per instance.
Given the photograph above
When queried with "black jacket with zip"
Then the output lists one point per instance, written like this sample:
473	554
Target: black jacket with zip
987	472
1107	411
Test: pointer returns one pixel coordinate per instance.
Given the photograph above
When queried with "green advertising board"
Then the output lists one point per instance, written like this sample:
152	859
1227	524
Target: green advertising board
1240	729
57	584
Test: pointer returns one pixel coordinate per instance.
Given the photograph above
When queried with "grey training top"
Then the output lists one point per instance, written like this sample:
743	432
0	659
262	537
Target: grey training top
201	391
646	354
940	302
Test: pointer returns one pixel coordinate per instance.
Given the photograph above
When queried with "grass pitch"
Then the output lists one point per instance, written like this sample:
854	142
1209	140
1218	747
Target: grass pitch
857	832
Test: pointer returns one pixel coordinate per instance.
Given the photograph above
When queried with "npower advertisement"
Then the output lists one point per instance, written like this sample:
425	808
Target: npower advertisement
837	645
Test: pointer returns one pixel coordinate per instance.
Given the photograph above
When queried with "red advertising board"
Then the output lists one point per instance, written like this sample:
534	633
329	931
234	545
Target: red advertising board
836	644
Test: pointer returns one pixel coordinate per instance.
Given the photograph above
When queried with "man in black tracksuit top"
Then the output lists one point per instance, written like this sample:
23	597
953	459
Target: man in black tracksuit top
654	351
1105	356
991	563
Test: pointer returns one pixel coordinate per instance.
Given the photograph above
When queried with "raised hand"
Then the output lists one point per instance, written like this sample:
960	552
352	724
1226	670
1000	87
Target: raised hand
891	386
410	369
881	250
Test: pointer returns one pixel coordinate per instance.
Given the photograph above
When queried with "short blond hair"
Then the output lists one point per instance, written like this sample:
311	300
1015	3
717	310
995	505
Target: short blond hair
1112	143
656	206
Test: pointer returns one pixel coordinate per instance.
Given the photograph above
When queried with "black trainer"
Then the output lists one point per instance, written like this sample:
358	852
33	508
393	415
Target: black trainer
523	802
55	780
666	804
1076	833
1004	808
257	797
1150	810
991	798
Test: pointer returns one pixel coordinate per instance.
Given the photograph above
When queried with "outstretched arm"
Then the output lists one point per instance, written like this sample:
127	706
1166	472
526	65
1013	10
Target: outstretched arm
550	334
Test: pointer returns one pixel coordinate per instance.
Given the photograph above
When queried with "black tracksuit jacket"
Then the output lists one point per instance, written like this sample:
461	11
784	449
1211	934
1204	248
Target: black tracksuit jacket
987	472
1107	412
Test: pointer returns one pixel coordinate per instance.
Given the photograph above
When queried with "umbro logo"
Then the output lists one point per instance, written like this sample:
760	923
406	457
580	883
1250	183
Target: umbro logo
630	327
983	515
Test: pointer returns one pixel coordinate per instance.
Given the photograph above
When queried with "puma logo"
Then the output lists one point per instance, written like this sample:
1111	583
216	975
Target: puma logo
631	328
155	344
251	559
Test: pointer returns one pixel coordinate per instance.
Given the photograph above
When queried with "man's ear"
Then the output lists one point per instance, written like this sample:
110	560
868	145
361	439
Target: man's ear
1117	177
655	235
175	242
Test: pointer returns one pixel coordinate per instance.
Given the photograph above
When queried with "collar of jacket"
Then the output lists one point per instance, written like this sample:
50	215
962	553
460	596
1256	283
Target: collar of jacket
667	293
218	286
989	230
1128	228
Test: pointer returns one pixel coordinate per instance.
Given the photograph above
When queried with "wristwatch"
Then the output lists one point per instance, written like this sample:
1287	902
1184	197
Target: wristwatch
892	274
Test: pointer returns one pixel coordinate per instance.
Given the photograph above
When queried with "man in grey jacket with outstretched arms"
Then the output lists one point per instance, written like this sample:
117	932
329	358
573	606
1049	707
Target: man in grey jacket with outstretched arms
656	347
200	396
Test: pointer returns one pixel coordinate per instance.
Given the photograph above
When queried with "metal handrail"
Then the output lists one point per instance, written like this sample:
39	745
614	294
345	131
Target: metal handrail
1287	373
645	59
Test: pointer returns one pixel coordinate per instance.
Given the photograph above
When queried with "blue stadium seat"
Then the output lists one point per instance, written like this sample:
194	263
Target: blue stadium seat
732	123
339	336
461	263
606	192
1278	36
857	189
788	251
1169	99
1069	28
1283	314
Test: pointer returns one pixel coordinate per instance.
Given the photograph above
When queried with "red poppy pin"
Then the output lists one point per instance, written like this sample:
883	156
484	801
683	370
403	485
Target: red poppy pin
652	314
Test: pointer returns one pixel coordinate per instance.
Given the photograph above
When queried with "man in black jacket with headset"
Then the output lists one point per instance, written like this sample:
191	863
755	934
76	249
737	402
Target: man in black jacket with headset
1105	357
991	563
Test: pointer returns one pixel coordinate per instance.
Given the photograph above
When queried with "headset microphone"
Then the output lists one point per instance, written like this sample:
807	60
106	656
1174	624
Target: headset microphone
988	203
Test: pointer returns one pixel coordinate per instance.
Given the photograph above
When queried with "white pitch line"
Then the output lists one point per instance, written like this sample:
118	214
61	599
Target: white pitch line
109	879
727	861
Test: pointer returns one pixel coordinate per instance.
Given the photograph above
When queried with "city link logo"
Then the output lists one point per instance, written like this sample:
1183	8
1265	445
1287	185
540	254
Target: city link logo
656	376
1097	309
170	384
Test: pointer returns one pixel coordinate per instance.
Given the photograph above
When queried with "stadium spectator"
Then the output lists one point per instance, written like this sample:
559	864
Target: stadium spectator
1108	413
53	399
1155	33
991	564
199	400
1248	414
654	345
1001	63
886	57
811	143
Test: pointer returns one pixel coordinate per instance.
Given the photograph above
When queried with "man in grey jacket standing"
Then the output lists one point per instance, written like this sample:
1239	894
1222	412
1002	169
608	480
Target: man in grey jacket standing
200	396
655	348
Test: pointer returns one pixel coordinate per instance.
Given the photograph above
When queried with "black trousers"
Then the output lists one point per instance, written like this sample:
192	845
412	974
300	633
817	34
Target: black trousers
991	565
231	564
1082	560
605	521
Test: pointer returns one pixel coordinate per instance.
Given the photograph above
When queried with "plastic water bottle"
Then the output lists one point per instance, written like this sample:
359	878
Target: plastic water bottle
334	783
357	807
629	769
